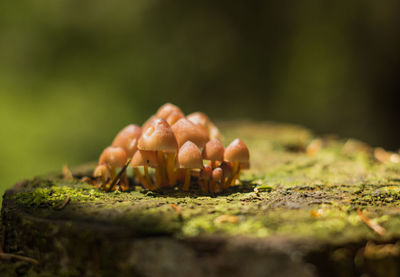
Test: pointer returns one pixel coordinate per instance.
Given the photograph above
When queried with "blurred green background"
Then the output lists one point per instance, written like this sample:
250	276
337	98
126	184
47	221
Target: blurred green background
72	73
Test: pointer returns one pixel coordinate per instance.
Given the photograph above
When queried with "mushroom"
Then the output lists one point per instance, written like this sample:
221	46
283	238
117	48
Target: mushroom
213	151
127	139
165	110
227	168
148	122
203	120
160	137
217	177
189	157
144	159
205	177
186	130
102	171
113	157
174	116
236	152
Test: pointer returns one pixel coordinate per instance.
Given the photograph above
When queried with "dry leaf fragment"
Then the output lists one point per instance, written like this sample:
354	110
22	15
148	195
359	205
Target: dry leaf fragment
226	219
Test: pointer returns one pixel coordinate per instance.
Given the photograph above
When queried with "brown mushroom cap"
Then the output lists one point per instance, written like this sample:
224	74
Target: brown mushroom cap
127	138
206	173
142	158
113	157
199	118
158	137
189	156
165	110
214	132
213	150
174	116
217	174
101	171
237	151
148	122
186	130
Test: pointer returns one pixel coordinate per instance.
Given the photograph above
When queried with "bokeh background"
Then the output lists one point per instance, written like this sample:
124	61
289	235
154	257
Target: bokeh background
72	73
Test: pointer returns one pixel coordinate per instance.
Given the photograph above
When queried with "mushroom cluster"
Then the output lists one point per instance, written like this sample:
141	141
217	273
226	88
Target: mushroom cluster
171	149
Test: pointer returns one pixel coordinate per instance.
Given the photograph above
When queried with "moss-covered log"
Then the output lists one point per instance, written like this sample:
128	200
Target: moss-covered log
330	209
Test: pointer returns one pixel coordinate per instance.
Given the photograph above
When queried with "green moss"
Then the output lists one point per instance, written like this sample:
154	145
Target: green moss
291	185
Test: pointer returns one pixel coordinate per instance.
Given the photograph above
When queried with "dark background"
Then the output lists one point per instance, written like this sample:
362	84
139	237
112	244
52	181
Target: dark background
72	73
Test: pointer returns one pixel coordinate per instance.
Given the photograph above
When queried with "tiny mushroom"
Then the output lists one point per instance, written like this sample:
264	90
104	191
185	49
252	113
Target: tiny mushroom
186	130
189	157
113	157
144	159
217	178
203	120
214	152
236	152
103	172
127	138
227	168
205	177
159	137
174	116
165	110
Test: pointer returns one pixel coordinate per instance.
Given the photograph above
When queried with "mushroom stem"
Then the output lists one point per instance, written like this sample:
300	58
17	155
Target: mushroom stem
187	180
158	177
161	163
211	186
234	172
204	186
141	178
213	164
146	174
236	176
170	168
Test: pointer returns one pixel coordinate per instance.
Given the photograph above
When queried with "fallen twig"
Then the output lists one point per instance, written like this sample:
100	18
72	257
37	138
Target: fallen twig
7	256
118	176
373	225
63	204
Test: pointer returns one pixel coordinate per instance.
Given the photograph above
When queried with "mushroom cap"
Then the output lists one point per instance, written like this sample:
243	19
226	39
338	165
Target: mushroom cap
213	150
158	137
148	122
186	130
189	156
165	110
199	118
127	138
113	157
142	158
214	132
174	116
237	151
217	174
206	173
227	168
101	170
203	120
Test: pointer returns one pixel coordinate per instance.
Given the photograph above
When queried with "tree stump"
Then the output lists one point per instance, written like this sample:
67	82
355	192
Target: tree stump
308	207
